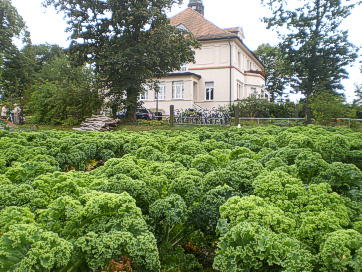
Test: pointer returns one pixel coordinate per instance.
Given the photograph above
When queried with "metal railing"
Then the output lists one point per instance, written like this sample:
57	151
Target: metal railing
348	120
275	121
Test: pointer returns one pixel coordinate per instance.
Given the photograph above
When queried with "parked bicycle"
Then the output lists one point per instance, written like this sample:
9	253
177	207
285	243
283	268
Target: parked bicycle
214	116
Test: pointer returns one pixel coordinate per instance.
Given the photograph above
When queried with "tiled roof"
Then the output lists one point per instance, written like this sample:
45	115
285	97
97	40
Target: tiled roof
198	25
233	29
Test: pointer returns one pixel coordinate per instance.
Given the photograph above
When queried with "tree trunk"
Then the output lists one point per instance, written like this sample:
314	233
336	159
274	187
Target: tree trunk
307	111
131	106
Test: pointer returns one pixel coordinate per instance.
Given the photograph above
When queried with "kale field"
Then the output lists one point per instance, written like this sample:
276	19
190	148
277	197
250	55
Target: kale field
261	199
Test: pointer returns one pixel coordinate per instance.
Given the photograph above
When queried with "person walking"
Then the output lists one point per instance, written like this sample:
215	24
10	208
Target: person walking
16	112
21	116
4	112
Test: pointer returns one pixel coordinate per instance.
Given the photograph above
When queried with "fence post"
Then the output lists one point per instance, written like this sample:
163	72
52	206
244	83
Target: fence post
237	115
172	115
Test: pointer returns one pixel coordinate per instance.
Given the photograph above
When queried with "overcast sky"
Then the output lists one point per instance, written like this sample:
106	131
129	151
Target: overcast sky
46	26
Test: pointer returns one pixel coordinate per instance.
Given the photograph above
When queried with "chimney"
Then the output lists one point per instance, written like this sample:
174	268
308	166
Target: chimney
197	5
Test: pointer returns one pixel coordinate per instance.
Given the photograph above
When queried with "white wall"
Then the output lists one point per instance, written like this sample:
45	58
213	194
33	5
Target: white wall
213	65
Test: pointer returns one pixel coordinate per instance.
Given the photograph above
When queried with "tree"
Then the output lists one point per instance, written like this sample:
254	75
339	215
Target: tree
315	48
19	73
274	69
64	94
12	26
46	53
357	102
33	59
358	93
129	42
326	107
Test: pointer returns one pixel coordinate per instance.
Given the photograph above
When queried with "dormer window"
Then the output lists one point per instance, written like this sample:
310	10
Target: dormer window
182	27
183	68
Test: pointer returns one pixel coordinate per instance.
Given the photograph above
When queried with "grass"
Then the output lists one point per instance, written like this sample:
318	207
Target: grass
44	127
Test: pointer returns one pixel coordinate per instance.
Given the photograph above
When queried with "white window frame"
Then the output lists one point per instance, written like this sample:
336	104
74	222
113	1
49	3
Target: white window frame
239	60
209	91
253	91
262	94
161	91
240	93
144	94
177	90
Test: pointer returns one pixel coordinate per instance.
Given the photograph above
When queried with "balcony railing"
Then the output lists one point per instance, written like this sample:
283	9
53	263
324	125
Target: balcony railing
256	72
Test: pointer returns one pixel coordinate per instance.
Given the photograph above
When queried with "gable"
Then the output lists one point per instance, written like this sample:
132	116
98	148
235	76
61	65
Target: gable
236	30
182	27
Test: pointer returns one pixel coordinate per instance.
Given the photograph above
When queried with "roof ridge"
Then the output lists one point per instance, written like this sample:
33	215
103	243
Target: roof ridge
231	27
203	17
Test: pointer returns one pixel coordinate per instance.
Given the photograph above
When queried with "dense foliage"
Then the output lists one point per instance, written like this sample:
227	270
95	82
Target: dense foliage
62	94
13	65
274	68
128	43
263	199
314	47
254	107
326	107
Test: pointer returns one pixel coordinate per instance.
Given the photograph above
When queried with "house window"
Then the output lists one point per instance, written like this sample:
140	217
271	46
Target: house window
240	91
144	94
209	90
239	60
262	94
253	91
177	90
161	91
243	65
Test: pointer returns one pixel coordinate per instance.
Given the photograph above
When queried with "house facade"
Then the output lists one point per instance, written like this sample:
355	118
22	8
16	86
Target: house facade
225	70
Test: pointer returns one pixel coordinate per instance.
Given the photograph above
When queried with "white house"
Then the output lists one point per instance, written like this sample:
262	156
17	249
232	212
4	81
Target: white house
225	70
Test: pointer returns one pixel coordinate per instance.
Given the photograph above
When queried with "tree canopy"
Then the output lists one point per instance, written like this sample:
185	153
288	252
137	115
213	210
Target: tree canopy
128	42
314	46
326	107
12	27
358	93
275	69
61	93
